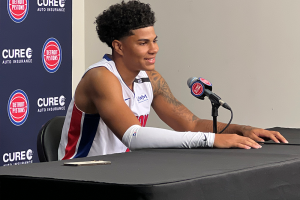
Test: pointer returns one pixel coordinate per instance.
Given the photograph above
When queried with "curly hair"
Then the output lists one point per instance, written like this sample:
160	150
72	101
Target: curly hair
119	20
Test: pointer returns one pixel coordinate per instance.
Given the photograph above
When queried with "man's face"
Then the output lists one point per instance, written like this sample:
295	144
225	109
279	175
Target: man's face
140	49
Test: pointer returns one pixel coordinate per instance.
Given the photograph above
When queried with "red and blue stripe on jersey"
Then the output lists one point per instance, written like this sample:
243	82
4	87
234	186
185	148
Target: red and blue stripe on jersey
83	128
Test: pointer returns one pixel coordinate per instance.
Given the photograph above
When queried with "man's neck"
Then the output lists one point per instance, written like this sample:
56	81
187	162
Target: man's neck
127	75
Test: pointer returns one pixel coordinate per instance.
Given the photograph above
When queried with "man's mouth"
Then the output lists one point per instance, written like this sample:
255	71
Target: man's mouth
151	60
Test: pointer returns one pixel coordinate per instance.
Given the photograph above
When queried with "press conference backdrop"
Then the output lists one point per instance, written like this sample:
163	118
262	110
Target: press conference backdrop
35	72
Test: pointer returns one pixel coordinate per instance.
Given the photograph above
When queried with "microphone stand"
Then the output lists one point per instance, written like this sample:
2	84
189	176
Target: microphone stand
214	111
214	114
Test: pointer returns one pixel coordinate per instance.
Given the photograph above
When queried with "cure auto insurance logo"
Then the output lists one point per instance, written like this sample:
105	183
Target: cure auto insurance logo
51	55
18	9
18	107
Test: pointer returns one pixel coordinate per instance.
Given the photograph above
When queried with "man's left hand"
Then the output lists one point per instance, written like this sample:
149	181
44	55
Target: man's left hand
257	134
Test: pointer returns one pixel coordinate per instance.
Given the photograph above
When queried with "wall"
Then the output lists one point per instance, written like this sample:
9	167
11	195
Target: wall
78	45
249	50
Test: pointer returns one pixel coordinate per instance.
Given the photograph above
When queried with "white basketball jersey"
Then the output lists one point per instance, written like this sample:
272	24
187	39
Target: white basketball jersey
87	135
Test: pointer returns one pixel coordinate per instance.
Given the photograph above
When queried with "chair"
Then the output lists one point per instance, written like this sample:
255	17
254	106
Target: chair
49	138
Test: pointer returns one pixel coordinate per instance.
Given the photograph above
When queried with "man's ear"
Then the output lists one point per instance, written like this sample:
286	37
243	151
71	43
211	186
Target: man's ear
117	46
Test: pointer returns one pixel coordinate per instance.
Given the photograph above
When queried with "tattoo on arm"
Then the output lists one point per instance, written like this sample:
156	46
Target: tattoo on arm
160	87
194	118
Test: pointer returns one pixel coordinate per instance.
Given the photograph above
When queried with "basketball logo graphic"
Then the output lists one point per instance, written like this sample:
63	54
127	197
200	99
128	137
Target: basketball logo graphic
51	55
18	107
197	89
18	9
206	82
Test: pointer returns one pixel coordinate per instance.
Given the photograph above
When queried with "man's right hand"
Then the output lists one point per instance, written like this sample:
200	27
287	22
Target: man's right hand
234	141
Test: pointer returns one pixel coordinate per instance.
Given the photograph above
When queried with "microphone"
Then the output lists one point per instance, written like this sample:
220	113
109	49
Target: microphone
201	87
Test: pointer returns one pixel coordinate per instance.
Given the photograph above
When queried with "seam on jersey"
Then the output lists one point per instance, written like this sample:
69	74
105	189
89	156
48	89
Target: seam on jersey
84	112
79	139
88	125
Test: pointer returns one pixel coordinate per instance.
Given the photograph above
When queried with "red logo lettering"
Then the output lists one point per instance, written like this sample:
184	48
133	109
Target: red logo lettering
143	119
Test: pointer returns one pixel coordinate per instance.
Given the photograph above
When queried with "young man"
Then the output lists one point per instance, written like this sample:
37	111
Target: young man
112	101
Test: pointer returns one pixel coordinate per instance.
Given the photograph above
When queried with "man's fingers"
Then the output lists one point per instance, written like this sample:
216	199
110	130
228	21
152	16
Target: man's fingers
280	137
277	137
247	143
242	146
273	135
245	146
256	138
251	143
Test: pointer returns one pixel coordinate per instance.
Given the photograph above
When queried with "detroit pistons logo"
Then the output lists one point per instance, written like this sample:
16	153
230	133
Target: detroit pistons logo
18	107
206	82
51	55
18	9
197	89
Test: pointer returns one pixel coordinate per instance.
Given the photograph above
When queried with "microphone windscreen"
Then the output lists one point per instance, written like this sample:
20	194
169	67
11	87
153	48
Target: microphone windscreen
191	80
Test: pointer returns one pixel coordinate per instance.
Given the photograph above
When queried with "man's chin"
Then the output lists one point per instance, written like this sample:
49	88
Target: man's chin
150	68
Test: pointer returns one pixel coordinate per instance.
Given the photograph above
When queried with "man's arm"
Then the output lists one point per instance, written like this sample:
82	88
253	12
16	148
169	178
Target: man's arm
178	117
100	91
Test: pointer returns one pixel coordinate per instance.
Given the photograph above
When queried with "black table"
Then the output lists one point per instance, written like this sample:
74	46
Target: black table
272	172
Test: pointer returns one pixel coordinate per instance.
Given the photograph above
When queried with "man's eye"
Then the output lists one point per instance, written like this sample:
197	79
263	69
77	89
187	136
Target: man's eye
143	43
155	41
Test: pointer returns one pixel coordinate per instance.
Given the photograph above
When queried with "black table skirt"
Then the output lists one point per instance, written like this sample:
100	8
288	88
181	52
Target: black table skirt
272	172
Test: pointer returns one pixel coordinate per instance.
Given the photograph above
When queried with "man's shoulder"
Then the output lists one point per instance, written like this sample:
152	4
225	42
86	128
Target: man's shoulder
99	75
94	86
106	62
